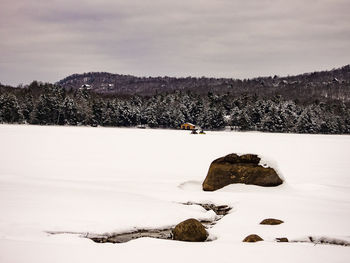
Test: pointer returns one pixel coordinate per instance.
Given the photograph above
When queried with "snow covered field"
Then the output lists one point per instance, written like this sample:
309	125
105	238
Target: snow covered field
105	180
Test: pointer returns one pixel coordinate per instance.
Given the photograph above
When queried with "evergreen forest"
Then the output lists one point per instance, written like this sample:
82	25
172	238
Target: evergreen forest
50	104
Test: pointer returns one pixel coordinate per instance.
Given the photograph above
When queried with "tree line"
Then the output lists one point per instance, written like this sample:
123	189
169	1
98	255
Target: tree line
48	104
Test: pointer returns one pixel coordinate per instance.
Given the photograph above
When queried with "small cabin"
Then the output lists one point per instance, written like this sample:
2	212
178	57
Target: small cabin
188	126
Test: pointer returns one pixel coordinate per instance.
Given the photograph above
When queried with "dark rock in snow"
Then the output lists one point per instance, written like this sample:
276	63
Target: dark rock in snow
190	230
282	239
271	221
235	169
253	238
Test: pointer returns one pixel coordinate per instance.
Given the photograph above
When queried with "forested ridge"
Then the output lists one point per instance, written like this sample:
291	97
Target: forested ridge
324	109
333	84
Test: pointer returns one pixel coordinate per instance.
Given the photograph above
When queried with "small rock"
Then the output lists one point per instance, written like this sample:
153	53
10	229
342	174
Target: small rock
271	221
190	230
253	238
282	239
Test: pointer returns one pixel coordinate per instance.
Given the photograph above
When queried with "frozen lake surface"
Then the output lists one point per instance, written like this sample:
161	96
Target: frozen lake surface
113	180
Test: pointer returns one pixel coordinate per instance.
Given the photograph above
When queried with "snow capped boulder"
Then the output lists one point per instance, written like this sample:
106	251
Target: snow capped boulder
190	230
235	169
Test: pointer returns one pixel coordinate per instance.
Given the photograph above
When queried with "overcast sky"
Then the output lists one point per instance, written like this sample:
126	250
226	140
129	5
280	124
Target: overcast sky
49	39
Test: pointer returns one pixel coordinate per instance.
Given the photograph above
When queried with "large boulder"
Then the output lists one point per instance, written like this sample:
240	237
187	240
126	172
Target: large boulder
235	169
190	230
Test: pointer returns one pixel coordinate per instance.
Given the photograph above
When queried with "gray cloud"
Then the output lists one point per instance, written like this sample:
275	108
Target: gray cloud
49	39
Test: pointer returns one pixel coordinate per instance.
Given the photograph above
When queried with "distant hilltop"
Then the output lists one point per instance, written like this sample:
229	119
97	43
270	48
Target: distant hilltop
108	83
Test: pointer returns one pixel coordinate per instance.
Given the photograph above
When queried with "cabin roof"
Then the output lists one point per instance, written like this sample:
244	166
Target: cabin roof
189	123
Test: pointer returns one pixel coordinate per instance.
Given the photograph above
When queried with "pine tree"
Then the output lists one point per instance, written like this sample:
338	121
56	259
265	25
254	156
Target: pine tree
97	109
240	118
69	111
9	109
27	107
307	123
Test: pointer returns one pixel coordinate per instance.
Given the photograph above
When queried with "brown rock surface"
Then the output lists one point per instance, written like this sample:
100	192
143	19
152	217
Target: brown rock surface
253	238
271	221
282	239
244	169
190	230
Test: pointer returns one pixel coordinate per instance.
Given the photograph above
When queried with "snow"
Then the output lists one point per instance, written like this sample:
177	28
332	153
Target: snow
111	180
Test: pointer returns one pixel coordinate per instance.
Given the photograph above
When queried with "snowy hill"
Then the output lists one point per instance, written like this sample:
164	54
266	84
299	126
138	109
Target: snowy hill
331	84
109	180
